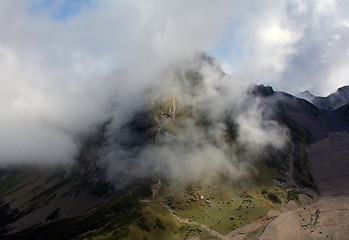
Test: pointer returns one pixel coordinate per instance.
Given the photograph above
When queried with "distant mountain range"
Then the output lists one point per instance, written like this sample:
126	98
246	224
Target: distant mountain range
332	101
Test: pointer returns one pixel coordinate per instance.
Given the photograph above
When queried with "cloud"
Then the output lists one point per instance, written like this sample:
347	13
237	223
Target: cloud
205	109
293	45
62	77
319	64
59	79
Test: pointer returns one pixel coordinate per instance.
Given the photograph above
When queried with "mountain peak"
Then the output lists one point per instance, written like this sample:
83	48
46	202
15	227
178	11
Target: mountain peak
306	95
331	102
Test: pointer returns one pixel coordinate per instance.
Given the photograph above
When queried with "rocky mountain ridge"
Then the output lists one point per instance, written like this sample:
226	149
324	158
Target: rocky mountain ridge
96	200
331	102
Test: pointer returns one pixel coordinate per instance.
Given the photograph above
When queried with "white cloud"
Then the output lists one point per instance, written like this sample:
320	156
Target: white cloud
61	78
296	45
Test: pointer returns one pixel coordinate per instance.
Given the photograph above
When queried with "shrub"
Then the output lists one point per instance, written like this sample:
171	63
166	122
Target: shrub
143	226
292	195
274	198
159	224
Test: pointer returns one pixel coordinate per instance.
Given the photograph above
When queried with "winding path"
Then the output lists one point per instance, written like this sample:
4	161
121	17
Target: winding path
238	233
188	221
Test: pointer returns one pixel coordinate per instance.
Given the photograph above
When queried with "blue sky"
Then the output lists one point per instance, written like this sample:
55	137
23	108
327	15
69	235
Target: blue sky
61	10
228	48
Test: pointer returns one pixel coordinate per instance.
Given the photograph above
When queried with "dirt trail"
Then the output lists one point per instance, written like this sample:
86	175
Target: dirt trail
237	234
240	233
326	219
188	221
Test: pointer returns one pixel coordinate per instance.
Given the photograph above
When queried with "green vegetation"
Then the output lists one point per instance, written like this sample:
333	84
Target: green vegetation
115	215
152	222
159	224
162	225
293	195
274	198
264	191
221	206
184	112
161	108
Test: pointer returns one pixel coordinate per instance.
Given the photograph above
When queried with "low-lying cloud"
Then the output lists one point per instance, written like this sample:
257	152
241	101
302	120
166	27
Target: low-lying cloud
210	128
63	76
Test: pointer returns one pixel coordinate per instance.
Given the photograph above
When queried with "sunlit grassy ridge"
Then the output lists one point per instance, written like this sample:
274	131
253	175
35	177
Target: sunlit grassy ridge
221	206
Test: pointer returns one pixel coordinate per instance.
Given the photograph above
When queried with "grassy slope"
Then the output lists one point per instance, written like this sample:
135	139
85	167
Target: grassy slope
120	211
123	217
222	206
28	193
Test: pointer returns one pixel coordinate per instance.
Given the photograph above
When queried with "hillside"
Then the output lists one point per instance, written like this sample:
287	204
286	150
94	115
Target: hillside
328	150
220	181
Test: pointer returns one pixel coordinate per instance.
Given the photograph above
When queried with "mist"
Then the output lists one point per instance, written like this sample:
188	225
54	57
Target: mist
66	73
200	125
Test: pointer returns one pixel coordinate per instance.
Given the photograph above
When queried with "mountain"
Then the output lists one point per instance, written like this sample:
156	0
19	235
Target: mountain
125	184
328	146
307	96
332	101
343	114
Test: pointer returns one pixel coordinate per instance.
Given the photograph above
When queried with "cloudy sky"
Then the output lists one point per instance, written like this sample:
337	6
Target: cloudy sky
58	57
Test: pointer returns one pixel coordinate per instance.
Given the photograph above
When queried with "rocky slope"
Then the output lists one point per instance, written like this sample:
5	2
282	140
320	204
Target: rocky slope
89	202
